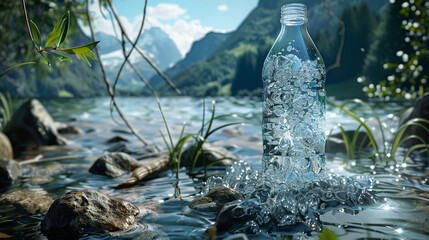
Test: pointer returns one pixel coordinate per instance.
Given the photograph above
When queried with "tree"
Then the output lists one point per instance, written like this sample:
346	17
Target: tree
401	50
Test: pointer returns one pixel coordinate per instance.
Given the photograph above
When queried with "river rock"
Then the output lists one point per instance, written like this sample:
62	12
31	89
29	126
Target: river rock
28	201
10	170
68	129
232	217
123	147
31	123
215	199
88	210
210	153
114	164
116	139
335	143
419	110
5	147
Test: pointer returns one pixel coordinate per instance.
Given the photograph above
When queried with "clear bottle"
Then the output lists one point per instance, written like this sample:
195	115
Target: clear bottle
294	101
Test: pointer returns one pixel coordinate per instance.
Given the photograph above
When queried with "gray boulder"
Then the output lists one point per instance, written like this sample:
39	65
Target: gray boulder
210	153
123	147
88	210
28	201
419	110
5	147
10	170
114	164
215	199
64	128
335	143
32	124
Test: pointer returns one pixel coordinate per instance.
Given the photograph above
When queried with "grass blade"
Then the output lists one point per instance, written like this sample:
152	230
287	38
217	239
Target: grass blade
346	141
415	147
368	130
18	65
397	139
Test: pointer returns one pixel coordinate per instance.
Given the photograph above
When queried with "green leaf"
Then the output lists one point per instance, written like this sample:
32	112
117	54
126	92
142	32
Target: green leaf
61	57
19	65
64	30
90	55
55	34
327	234
36	33
84	59
80	49
46	61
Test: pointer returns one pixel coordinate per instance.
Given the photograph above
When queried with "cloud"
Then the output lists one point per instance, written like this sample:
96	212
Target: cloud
183	32
165	11
222	7
171	18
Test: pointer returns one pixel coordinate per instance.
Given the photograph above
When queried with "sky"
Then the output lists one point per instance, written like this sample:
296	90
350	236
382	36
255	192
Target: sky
183	20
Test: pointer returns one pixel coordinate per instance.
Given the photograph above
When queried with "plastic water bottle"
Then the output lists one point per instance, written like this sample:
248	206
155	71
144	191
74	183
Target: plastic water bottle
294	99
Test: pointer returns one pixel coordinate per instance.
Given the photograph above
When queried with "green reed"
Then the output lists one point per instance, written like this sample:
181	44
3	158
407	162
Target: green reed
391	146
175	150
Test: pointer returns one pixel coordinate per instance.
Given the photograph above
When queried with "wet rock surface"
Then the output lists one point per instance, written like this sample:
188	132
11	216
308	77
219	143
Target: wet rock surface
335	143
210	153
215	199
88	210
31	123
123	147
30	202
68	129
114	164
5	147
10	170
419	110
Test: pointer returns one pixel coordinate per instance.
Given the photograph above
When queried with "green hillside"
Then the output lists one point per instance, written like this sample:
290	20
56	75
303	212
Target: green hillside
258	31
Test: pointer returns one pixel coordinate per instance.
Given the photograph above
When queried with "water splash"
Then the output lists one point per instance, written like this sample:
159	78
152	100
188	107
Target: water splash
278	200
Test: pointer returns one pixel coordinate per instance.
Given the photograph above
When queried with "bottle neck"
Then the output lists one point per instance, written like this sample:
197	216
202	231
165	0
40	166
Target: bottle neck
294	14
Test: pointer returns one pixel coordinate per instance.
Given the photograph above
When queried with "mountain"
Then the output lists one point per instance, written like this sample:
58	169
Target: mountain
214	75
156	44
200	50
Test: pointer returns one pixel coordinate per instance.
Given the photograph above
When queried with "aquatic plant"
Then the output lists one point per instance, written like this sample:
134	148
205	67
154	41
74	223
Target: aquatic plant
175	150
388	152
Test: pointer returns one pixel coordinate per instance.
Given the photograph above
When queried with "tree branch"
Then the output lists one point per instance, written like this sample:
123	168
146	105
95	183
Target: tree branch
106	80
28	26
140	51
342	34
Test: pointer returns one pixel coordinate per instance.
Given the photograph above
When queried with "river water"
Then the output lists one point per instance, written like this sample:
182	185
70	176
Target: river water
405	189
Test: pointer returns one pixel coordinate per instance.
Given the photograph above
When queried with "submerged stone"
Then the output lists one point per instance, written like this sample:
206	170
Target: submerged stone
114	164
88	210
215	199
10	170
210	153
28	201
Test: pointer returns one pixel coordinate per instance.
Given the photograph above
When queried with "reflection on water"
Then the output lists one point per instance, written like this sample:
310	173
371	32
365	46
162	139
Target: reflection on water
403	214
